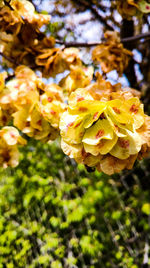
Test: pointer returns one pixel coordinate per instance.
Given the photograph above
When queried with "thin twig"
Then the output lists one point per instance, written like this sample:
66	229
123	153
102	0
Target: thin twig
135	38
90	44
82	44
77	44
94	10
9	59
8	4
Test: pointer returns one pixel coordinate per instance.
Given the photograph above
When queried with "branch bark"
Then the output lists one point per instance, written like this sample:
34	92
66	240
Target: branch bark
90	44
129	35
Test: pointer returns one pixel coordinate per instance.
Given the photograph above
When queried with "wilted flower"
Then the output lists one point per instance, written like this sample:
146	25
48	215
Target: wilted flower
56	60
49	58
27	10
23	24
71	57
10	20
106	133
111	54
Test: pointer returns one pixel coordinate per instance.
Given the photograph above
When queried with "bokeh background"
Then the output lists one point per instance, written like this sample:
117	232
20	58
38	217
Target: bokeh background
53	213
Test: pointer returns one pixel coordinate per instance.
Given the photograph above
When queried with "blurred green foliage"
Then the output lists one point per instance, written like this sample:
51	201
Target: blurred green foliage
55	214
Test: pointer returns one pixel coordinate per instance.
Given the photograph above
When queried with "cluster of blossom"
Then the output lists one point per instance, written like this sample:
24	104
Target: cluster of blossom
30	105
111	54
100	125
105	126
22	41
19	28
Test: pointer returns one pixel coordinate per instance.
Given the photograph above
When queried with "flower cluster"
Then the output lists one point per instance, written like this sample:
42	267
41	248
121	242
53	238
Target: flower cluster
19	31
18	11
55	60
101	125
79	76
22	41
105	129
33	107
111	54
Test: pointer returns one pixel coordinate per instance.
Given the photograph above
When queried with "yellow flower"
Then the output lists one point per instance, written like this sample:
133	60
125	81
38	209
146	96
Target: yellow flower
51	104
78	77
27	10
9	139
22	91
55	60
111	54
12	136
100	132
10	20
33	124
142	5
34	107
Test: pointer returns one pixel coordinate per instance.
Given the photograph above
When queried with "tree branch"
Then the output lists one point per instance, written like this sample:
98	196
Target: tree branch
90	44
8	4
89	5
9	59
135	38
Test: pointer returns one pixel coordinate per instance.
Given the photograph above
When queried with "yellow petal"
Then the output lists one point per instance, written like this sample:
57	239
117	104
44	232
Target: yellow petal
102	148
135	108
100	130
78	95
117	111
91	160
144	131
127	146
20	118
92	149
117	128
71	127
73	151
10	135
87	106
36	119
111	165
94	116
22	141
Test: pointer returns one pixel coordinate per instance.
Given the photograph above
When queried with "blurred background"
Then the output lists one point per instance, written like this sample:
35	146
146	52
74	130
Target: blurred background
53	213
